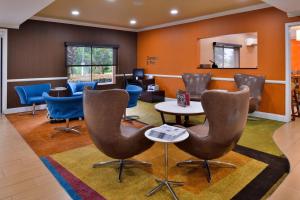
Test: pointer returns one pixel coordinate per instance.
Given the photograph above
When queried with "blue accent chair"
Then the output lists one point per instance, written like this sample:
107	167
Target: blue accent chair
76	88
65	108
134	94
32	94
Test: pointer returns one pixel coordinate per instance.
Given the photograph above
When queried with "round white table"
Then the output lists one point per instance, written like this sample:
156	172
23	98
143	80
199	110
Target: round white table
165	181
171	107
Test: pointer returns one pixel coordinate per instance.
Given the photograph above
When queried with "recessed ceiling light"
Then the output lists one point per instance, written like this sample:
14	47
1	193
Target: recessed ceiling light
174	12
133	22
75	12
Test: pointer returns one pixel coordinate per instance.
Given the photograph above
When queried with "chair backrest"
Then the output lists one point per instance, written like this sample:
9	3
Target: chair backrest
226	113
134	93
64	107
21	94
103	111
255	83
36	90
196	84
79	86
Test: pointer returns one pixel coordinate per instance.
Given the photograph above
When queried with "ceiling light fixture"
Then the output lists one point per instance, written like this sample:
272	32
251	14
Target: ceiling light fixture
174	12
133	22
298	35
75	12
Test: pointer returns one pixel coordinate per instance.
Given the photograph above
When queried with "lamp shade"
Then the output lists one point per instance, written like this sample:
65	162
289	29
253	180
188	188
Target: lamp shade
298	35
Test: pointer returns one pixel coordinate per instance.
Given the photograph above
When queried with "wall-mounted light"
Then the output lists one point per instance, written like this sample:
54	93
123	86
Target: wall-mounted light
298	35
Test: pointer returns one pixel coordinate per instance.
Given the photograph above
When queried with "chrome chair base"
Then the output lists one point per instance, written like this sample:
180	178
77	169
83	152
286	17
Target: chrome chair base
68	129
73	129
121	164
205	164
166	183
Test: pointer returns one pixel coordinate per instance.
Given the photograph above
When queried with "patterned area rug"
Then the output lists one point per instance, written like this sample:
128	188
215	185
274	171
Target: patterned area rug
73	170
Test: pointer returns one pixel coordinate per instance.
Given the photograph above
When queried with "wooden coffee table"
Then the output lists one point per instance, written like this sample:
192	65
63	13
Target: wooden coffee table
171	108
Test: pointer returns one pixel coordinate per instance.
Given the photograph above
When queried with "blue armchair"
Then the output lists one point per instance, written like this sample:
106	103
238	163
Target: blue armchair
76	88
65	108
134	94
32	94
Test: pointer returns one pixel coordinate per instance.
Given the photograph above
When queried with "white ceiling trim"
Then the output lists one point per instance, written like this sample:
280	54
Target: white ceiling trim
215	15
200	18
12	26
63	21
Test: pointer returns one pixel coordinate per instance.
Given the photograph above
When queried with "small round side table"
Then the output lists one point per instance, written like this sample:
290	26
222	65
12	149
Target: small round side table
165	181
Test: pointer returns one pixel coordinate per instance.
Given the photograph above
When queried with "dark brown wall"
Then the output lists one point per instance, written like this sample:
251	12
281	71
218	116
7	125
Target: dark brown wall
37	50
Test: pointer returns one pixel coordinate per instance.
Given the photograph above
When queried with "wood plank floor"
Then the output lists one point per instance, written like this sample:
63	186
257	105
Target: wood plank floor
287	138
22	175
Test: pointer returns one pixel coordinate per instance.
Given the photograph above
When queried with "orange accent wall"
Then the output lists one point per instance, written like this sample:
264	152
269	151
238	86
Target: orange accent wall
295	51
177	50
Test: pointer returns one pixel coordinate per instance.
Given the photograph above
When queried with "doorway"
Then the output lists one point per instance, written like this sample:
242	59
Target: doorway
1	73
293	70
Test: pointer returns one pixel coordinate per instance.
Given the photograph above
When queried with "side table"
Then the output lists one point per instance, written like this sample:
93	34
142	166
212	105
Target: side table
165	181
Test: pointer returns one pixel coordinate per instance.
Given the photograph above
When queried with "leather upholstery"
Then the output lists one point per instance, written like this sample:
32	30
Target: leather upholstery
256	86
103	111
196	84
226	114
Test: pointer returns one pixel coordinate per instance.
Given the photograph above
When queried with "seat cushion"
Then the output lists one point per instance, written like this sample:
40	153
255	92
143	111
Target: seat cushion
35	100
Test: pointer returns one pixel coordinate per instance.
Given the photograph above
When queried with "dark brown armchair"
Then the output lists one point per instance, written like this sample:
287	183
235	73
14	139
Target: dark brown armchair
196	84
256	86
103	111
226	117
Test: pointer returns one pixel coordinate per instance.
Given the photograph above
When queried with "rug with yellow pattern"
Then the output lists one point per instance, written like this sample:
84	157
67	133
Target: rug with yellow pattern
73	169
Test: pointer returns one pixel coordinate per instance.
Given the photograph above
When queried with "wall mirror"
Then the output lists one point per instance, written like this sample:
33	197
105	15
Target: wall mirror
229	51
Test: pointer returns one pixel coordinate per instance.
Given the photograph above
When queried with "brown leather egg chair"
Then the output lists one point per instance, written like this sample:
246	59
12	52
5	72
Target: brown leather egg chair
226	117
256	87
196	84
103	111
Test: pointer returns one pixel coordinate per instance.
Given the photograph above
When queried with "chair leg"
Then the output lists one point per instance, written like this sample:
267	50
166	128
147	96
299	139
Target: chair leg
121	170
33	109
205	164
121	164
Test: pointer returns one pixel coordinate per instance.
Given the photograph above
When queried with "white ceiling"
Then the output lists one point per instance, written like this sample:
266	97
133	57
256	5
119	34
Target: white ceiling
14	12
291	7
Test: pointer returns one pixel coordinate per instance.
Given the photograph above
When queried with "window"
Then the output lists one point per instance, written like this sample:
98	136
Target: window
227	55
86	62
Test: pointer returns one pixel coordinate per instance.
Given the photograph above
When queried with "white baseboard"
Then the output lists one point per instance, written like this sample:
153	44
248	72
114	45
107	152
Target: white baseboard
271	116
24	109
259	114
